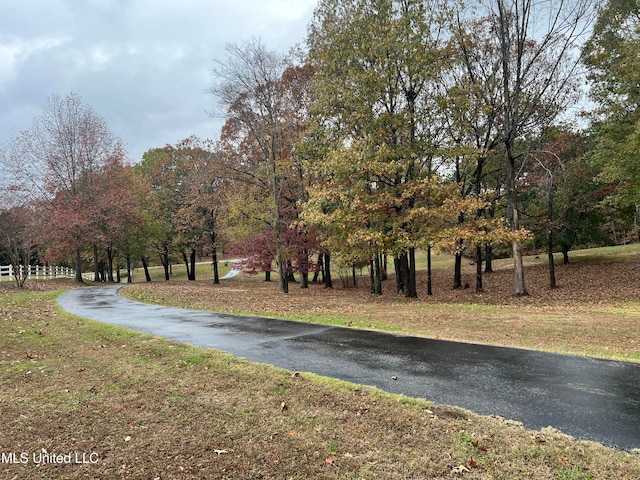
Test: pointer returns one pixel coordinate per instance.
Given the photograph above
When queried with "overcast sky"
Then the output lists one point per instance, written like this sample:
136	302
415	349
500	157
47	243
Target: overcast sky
142	65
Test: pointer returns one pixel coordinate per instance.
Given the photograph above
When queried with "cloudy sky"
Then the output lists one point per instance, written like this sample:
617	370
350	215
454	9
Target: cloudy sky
142	65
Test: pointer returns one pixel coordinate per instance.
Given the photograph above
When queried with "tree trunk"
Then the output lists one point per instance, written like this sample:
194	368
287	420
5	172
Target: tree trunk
457	271
267	276
404	272
192	275
488	260
327	271
96	266
372	276
384	268
514	221
479	269
189	263
518	271
412	291
429	272
185	259
291	278
145	266
304	271
552	268
565	253
110	256
164	259
377	274
319	269
78	264
398	268
216	276
283	279
479	214
129	276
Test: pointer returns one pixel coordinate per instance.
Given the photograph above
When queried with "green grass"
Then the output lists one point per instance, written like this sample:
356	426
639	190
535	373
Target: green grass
204	270
153	408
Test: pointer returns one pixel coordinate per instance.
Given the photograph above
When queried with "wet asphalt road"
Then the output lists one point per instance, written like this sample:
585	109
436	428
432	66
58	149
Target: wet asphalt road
587	398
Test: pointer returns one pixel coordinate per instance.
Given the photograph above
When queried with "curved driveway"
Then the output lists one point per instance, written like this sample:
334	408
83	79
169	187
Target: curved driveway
590	399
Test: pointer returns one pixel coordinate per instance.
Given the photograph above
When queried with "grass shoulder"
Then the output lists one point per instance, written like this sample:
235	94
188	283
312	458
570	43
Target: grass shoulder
149	407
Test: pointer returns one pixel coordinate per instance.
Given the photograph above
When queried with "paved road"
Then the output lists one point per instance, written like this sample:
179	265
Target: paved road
587	398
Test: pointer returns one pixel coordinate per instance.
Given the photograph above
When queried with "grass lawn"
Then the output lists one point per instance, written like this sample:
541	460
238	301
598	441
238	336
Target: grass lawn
134	406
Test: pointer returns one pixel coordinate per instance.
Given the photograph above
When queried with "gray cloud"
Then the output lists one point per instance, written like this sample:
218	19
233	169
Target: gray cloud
143	65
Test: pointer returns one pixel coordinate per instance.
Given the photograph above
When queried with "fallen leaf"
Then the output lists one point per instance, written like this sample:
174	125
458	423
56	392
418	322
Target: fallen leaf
473	463
284	406
460	470
329	460
220	452
127	438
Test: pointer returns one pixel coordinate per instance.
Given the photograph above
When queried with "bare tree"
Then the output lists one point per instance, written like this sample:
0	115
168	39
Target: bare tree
247	86
539	55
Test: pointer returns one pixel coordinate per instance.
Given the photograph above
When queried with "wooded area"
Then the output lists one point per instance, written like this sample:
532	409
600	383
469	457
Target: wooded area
400	125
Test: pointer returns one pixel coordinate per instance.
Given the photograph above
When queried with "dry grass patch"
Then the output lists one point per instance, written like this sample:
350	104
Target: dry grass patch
142	407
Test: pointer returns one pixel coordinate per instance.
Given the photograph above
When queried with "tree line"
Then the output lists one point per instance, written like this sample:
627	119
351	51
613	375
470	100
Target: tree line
401	125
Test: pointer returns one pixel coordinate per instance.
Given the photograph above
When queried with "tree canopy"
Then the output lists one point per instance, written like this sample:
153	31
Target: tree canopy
401	125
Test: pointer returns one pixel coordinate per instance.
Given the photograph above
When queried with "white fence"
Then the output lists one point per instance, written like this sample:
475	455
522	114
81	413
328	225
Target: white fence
36	272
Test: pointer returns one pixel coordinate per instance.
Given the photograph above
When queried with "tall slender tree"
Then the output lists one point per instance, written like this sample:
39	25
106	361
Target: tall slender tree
263	96
538	50
246	87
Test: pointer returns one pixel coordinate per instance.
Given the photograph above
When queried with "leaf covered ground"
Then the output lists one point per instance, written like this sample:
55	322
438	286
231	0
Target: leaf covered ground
595	311
135	406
